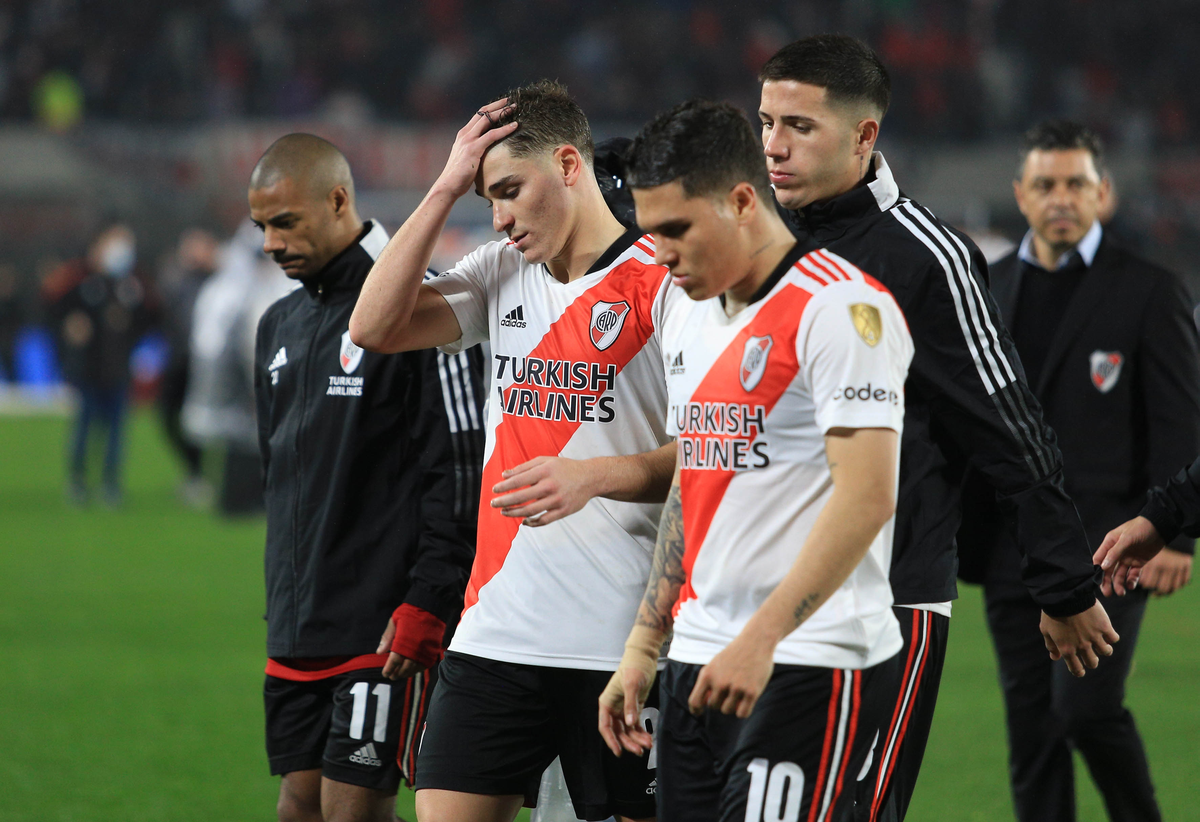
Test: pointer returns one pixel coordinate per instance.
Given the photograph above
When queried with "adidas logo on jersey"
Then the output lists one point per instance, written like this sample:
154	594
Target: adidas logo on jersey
366	756
677	364
515	318
279	362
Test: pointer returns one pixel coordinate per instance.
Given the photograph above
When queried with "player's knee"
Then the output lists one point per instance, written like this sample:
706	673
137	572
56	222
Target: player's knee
1083	718
295	808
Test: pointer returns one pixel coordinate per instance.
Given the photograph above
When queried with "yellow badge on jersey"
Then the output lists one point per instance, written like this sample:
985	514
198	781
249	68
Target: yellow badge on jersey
867	323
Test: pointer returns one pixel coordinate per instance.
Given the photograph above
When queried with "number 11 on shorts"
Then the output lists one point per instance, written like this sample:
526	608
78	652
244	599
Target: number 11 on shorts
775	792
383	699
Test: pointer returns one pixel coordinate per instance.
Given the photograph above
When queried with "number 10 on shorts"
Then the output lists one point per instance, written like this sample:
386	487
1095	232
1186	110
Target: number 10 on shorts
775	792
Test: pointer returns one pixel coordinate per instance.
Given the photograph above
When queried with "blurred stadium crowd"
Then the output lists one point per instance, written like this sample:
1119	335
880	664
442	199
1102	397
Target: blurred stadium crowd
961	70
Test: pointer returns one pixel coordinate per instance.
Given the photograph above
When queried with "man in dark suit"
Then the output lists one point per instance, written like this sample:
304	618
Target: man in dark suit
1108	344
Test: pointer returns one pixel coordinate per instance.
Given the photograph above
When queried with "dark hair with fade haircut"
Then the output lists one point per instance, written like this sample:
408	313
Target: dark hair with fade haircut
708	147
846	67
548	117
1062	135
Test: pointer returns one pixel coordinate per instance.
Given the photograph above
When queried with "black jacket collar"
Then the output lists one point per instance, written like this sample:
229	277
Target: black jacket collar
348	269
829	219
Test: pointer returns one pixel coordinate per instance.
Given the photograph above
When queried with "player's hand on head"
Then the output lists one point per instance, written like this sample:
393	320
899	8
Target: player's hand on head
545	489
735	679
1079	640
1166	573
472	142
1123	553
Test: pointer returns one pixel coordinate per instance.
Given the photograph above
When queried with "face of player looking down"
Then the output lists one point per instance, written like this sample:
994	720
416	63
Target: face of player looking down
702	240
1061	193
530	197
299	227
815	150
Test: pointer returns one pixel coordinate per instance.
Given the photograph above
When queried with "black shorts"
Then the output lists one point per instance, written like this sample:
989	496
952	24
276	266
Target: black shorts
357	727
494	727
885	794
809	738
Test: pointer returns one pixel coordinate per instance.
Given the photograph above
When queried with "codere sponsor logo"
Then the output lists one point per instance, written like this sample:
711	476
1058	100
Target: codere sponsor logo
515	318
865	393
366	756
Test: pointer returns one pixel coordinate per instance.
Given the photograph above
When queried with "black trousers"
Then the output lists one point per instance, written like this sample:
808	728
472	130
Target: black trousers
884	792
1049	712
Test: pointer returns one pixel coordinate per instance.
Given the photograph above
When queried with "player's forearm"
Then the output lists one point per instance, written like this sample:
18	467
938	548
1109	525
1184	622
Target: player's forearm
666	571
389	295
642	477
838	542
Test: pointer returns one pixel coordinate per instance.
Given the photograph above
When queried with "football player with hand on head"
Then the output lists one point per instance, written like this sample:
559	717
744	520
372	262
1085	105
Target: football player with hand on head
572	304
786	374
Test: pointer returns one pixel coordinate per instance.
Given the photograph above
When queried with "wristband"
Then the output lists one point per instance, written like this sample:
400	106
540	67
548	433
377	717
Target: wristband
419	635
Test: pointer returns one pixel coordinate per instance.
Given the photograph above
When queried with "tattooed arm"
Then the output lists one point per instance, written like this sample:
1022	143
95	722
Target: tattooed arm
862	463
623	698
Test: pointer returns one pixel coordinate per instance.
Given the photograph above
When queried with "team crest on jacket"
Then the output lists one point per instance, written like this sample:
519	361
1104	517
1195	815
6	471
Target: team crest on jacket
1106	369
607	321
351	354
754	361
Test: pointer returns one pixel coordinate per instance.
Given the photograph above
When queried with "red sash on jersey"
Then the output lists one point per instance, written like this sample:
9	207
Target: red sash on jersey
701	491
519	439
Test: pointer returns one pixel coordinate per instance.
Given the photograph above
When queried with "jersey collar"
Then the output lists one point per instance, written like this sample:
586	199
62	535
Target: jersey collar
347	270
789	260
829	219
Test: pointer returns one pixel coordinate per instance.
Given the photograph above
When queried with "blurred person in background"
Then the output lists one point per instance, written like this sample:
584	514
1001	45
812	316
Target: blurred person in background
372	467
99	320
1109	348
192	263
218	408
11	318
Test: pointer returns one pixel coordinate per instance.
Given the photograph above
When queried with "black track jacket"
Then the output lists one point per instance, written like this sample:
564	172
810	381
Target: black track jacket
372	464
966	400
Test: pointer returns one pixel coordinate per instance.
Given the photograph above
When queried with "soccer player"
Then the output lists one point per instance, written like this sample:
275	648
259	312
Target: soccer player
786	394
572	304
370	487
967	398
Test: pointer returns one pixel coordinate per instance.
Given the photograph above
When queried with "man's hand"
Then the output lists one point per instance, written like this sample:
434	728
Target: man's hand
546	489
1124	551
735	679
397	667
1166	573
622	700
1081	639
472	142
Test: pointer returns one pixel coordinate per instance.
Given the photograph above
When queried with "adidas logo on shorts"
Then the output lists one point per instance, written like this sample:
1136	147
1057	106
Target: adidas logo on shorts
653	789
515	318
366	756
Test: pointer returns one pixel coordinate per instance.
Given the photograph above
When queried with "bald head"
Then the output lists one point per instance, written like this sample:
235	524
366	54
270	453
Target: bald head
314	165
302	197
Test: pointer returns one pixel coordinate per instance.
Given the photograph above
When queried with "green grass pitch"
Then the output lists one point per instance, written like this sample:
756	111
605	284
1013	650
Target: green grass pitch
131	658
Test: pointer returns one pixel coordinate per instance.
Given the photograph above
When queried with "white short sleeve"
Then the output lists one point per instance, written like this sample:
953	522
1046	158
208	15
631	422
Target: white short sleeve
466	288
855	348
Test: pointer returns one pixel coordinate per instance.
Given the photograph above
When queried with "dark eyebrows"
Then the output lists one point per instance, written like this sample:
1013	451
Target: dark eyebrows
506	180
788	119
674	227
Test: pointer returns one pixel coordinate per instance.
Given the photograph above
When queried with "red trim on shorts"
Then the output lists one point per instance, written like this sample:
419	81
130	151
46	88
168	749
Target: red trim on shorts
855	701
279	670
830	731
884	780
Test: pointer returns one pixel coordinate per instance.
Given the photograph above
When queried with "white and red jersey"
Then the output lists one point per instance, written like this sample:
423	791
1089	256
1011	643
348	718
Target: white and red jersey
576	372
751	399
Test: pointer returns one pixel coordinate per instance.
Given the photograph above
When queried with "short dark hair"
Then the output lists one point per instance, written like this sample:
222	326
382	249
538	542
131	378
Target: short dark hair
709	147
1062	135
846	67
548	117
